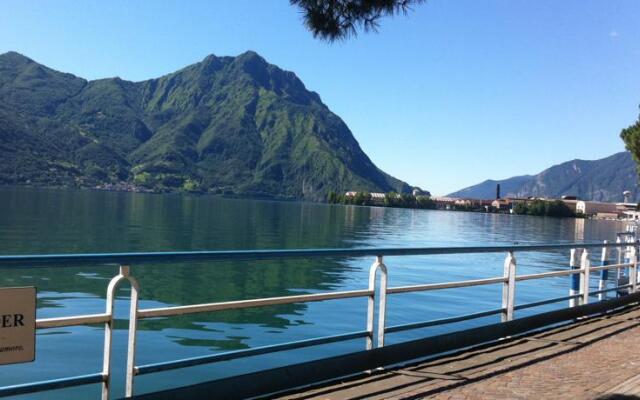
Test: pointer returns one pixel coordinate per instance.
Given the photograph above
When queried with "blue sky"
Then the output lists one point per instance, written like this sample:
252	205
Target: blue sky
454	93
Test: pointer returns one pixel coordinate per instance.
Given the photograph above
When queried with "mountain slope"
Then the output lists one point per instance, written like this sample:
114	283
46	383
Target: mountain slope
226	124
598	180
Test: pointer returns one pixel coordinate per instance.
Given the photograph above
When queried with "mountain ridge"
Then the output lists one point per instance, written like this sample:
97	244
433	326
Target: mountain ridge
603	179
224	125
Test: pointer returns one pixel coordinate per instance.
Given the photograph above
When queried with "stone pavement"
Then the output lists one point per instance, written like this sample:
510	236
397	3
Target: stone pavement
596	358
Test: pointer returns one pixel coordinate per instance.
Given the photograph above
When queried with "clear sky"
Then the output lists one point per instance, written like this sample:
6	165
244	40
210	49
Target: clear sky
454	93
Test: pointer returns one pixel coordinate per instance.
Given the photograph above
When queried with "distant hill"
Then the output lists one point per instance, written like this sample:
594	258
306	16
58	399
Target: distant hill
598	180
225	125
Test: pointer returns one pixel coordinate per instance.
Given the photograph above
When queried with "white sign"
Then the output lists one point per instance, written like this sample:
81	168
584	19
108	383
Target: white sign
17	325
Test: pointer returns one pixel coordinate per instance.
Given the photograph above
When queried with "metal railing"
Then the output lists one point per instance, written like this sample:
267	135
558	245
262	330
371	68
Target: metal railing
376	293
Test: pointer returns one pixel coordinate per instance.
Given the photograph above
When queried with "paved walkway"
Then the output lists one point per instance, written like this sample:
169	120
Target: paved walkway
598	358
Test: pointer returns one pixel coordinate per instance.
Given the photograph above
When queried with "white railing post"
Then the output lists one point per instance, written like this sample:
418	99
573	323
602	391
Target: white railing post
133	330
123	274
633	269
574	261
604	274
382	303
371	302
508	287
619	260
585	274
108	335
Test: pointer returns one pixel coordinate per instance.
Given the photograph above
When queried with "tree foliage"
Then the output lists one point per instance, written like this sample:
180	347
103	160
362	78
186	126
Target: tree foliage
339	19
391	199
631	138
555	208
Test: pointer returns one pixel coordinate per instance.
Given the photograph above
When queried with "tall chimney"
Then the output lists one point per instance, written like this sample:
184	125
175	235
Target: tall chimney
498	191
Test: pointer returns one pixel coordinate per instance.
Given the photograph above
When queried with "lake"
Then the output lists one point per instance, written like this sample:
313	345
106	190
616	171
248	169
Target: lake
38	221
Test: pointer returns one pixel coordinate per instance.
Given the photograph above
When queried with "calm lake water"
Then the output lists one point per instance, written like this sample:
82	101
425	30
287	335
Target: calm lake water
60	221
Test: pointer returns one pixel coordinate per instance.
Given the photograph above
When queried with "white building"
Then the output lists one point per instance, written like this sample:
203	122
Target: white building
631	215
593	208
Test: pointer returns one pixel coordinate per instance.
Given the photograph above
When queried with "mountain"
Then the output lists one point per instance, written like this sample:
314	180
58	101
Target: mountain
234	125
597	180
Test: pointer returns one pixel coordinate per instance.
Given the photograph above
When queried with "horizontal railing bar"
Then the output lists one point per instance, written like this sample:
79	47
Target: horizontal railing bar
612	266
592	293
234	305
442	321
232	355
596	292
445	285
545	302
52	384
547	274
195	256
72	321
570	272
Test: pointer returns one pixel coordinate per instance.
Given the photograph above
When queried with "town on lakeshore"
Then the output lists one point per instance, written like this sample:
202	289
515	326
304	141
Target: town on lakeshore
566	206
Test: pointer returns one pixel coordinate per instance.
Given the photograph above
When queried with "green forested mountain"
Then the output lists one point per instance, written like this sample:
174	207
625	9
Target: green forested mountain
225	125
598	180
